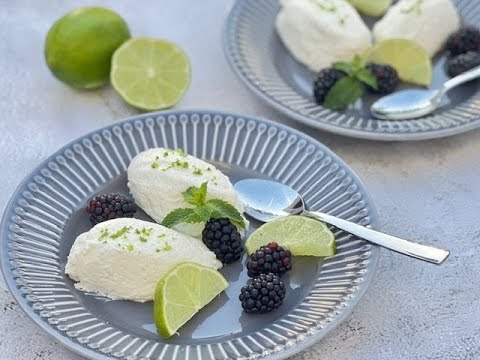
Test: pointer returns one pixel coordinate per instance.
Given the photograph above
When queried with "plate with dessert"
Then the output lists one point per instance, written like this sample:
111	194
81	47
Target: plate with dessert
325	62
132	243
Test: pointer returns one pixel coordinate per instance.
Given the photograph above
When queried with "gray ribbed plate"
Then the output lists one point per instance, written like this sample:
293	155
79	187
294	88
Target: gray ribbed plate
46	214
258	57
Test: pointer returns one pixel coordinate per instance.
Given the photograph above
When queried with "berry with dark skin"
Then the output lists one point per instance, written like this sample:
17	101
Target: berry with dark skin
262	294
109	206
223	238
464	40
271	258
387	78
325	80
463	62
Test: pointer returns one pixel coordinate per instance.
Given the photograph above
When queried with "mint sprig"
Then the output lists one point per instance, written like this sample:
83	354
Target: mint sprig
350	68
178	216
345	91
203	209
196	196
351	87
366	76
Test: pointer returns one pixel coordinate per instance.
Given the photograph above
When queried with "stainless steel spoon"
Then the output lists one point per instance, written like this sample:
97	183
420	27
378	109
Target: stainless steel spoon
268	200
414	103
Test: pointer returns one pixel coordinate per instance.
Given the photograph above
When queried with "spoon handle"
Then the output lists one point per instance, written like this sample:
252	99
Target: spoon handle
419	251
460	79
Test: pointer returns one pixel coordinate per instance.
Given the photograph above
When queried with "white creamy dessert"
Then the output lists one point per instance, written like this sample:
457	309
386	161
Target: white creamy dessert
158	177
124	258
428	22
320	32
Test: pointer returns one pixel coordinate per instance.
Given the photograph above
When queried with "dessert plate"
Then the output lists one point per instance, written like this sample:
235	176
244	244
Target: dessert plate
259	58
46	214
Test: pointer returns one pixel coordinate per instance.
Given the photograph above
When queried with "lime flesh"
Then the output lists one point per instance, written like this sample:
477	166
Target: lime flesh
299	234
409	59
371	7
79	46
150	74
182	292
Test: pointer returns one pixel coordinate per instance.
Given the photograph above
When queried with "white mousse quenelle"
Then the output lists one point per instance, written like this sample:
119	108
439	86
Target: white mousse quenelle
428	22
321	32
123	259
158	177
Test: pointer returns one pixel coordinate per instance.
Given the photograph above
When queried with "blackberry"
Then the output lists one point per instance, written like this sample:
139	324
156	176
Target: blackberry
325	80
223	238
270	258
463	62
464	40
262	294
387	78
109	206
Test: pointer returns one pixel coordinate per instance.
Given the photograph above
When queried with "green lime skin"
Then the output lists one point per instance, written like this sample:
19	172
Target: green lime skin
79	46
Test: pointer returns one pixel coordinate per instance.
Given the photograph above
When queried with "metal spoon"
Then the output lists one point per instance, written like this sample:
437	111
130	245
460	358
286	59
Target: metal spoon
414	103
267	200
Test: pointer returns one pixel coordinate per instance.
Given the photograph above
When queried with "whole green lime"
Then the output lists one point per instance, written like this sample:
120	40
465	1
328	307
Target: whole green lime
79	46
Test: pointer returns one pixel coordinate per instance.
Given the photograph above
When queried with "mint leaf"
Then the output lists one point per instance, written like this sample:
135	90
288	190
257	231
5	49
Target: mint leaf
366	76
357	64
193	219
350	68
343	66
345	91
178	216
196	196
204	213
203	210
222	209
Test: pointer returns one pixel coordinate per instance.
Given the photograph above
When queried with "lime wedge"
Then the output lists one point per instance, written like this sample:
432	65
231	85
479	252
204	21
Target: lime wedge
182	292
299	234
371	7
150	74
409	59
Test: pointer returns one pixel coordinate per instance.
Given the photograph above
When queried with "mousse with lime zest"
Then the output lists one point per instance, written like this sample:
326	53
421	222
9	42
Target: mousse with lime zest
123	259
428	22
320	32
158	177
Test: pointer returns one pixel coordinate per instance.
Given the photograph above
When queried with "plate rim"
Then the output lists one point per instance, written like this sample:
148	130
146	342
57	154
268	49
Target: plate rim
333	129
89	353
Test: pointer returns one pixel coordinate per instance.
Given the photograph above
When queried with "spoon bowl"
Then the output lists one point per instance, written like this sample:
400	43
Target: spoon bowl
267	200
406	104
415	103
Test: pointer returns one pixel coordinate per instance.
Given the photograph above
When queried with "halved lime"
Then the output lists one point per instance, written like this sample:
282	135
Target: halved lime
371	7
150	74
409	59
299	234
182	292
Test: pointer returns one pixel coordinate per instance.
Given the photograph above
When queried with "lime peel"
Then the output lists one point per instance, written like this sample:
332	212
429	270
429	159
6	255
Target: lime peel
182	292
79	46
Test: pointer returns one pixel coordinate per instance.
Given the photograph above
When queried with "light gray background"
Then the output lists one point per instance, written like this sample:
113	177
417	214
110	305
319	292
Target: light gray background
428	191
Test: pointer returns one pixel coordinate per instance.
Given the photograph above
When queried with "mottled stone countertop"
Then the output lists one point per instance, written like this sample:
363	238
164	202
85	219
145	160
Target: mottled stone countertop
428	190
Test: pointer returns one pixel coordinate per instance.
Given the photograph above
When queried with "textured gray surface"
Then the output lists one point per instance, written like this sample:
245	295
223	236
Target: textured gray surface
428	191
